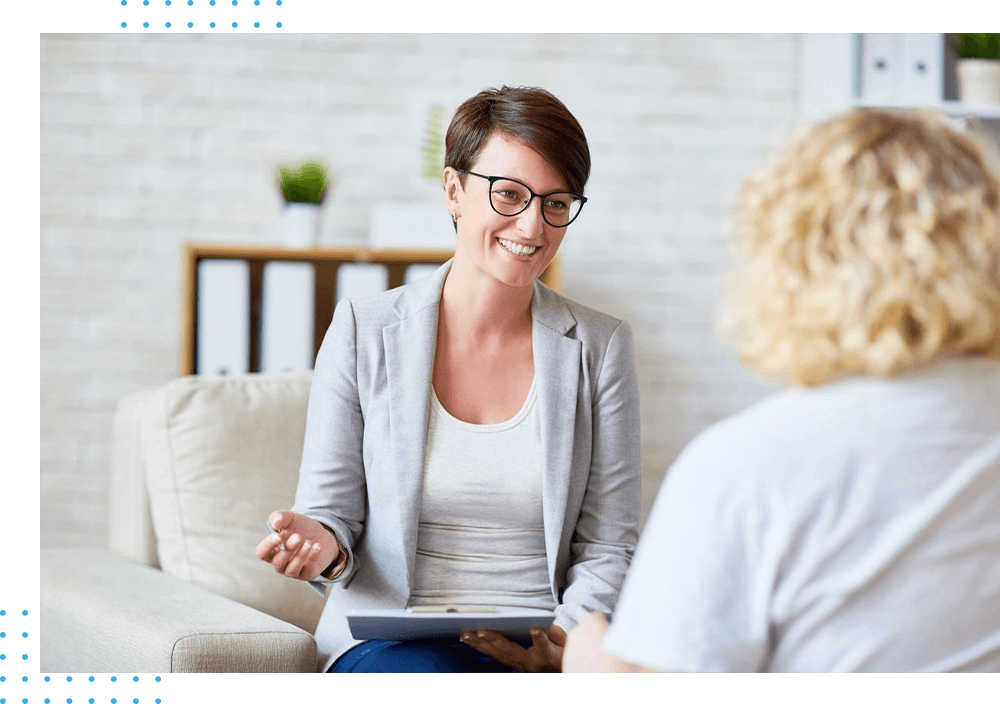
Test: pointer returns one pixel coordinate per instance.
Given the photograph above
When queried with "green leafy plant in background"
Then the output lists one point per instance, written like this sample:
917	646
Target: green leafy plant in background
978	46
306	184
433	151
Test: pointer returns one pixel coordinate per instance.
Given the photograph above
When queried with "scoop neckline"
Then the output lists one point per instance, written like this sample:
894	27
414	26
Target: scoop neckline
487	427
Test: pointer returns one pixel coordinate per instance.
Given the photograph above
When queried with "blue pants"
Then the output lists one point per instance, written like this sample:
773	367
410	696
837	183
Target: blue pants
431	655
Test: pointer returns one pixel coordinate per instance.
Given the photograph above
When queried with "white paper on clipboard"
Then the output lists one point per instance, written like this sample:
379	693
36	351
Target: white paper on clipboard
401	624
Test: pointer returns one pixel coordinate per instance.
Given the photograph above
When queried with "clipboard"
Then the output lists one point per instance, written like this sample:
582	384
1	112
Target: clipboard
444	622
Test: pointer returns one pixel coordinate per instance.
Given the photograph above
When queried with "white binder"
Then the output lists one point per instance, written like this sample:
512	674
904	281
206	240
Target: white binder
415	272
922	67
901	69
287	317
359	280
878	68
223	325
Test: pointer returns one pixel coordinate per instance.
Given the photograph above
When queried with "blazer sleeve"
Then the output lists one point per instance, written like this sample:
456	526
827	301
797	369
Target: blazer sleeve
331	486
608	525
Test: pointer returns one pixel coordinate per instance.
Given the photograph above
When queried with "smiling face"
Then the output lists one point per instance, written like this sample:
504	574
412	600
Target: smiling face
511	250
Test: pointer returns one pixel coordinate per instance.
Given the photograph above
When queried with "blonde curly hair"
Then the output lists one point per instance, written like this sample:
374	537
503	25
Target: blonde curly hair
870	245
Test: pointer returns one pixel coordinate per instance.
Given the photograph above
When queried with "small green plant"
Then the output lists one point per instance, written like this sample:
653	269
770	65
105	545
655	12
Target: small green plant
979	46
434	144
306	184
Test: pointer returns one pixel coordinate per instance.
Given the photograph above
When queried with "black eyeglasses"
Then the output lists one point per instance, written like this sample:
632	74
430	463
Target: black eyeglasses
509	197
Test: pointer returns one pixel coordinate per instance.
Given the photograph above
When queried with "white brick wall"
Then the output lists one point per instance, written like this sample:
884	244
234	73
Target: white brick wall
151	141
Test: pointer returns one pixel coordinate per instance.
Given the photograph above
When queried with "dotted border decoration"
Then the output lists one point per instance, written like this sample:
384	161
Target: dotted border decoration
150	18
31	688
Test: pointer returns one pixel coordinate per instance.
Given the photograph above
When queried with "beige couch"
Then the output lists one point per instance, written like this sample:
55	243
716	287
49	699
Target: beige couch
197	466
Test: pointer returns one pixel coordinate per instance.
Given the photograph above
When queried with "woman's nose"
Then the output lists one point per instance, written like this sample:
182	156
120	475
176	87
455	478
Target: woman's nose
530	221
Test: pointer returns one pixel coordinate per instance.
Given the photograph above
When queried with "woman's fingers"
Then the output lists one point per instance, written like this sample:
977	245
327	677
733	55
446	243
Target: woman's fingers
300	548
269	547
292	546
312	566
302	551
557	635
303	560
543	655
273	550
277	520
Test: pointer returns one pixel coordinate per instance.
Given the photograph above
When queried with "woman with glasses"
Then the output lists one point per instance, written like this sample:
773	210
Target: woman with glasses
473	438
852	523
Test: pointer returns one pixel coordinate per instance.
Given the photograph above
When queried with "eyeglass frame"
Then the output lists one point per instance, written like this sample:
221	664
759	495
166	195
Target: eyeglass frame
527	204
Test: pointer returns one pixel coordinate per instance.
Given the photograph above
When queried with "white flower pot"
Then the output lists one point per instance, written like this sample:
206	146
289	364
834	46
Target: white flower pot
979	80
300	224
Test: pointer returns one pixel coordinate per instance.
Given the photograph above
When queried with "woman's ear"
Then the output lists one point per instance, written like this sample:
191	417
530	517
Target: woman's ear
452	189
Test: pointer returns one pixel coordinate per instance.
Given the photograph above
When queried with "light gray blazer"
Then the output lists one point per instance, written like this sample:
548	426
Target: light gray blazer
363	457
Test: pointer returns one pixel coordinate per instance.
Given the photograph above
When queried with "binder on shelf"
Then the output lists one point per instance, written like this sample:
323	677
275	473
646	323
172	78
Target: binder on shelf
288	296
223	327
415	272
878	67
901	69
922	67
359	280
286	317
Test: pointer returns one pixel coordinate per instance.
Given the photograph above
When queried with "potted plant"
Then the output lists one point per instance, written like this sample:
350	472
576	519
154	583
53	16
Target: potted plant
979	68
304	189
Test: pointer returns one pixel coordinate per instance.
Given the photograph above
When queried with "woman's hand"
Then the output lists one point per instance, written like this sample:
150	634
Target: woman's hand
544	655
300	547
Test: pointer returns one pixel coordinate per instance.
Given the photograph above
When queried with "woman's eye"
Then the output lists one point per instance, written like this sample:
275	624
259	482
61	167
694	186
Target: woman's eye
553	204
509	195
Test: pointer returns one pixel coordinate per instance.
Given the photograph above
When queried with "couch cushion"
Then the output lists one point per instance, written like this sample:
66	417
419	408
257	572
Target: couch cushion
132	533
221	453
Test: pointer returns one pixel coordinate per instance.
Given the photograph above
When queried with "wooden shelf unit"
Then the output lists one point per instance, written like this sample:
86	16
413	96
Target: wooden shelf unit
325	262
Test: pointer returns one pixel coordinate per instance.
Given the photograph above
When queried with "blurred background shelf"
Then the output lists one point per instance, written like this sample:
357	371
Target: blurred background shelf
266	309
843	71
954	108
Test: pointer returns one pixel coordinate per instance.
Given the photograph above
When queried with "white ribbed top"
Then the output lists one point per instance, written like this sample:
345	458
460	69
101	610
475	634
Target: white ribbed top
480	538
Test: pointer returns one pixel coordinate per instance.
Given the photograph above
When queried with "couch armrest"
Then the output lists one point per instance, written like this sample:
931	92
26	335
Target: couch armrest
130	521
103	613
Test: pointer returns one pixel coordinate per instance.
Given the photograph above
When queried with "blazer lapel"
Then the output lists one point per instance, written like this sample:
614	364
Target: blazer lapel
409	355
557	368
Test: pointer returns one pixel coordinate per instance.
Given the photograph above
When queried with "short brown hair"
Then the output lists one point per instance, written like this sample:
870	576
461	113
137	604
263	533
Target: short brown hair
531	115
869	246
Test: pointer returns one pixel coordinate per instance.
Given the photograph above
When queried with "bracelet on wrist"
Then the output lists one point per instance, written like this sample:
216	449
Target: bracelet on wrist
336	568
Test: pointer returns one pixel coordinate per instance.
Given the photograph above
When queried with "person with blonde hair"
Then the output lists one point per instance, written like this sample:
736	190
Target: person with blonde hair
851	522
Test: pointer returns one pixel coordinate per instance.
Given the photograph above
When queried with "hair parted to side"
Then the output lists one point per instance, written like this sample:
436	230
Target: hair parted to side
531	115
870	245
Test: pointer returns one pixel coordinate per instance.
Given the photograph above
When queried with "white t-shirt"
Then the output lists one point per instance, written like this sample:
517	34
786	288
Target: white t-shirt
481	537
851	527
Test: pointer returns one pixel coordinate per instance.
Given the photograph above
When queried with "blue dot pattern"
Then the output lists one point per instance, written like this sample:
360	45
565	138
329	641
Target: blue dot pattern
199	15
27	686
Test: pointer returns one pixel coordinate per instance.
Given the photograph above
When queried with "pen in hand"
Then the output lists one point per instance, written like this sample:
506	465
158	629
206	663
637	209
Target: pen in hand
270	529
